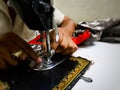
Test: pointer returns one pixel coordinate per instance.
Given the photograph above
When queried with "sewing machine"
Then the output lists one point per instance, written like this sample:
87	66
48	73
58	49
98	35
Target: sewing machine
56	72
38	15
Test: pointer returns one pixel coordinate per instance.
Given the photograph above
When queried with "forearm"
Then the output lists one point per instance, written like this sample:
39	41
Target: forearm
68	26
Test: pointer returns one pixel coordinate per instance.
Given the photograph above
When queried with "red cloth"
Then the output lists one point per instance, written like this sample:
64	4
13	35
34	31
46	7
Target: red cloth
79	39
82	37
35	40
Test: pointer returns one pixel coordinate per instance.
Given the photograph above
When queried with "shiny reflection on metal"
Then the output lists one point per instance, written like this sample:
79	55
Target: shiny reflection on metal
47	63
87	79
44	66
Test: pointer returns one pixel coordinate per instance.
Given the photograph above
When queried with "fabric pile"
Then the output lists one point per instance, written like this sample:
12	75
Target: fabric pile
106	30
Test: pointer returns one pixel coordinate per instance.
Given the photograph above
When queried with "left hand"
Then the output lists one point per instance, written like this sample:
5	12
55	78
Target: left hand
11	43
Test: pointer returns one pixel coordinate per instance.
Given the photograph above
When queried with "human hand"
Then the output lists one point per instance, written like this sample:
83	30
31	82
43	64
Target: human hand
65	45
11	43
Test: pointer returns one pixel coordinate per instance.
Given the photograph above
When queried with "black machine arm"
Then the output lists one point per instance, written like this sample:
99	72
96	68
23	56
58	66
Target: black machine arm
37	14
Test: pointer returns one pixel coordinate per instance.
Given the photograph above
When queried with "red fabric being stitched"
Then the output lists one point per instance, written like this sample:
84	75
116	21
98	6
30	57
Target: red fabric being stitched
79	39
82	37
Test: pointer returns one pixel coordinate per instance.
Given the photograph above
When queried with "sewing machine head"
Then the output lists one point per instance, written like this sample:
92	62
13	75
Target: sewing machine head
38	15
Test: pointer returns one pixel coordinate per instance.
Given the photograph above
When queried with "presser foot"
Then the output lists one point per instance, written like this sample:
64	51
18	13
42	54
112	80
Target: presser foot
44	66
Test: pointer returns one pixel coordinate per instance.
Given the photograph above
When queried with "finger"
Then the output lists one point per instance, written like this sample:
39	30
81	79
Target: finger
7	56
10	45
69	51
28	51
10	60
54	45
72	49
60	49
26	48
17	43
62	46
2	64
23	56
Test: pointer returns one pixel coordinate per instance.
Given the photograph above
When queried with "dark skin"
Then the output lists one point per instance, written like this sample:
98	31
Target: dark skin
10	43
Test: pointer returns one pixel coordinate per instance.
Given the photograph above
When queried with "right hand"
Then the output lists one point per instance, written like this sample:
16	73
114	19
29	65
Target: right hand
65	45
11	43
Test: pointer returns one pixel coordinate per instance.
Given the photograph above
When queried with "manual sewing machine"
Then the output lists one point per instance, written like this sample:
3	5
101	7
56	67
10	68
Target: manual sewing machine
56	72
38	15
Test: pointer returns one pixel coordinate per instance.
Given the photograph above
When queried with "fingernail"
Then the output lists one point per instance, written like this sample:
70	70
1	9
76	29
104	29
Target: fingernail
39	60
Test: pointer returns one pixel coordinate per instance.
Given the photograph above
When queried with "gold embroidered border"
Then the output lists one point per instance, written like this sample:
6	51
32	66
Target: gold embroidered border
82	64
4	85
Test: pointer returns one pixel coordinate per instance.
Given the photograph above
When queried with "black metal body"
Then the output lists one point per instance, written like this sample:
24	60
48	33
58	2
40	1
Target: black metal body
37	14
